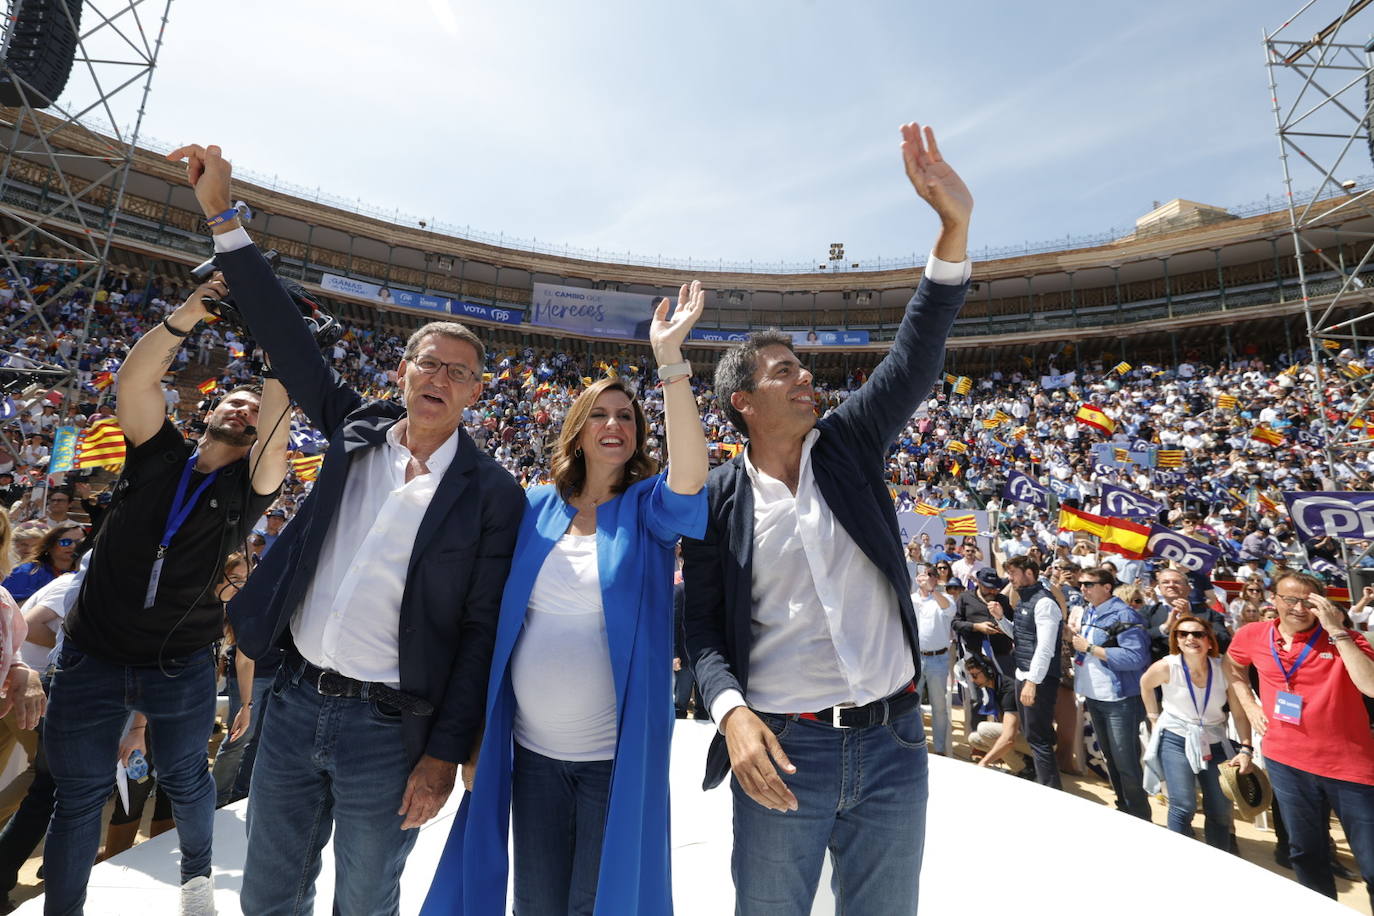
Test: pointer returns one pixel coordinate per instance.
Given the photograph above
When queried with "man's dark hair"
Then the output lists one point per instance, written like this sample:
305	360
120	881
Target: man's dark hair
1023	563
984	666
735	371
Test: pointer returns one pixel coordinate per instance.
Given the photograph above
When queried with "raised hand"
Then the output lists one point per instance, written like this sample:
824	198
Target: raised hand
933	178
208	172
667	334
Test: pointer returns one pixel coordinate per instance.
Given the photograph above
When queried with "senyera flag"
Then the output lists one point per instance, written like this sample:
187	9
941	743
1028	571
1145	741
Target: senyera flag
1115	535
1089	415
101	445
960	525
307	468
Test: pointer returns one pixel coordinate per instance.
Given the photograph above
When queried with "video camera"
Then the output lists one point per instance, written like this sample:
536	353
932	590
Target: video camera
325	327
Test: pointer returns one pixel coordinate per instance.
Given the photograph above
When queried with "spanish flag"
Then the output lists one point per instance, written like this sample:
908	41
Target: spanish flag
1122	368
208	386
103	380
307	468
1265	434
1227	401
1116	535
954	445
1089	415
956	525
926	509
964	385
1169	458
101	445
730	448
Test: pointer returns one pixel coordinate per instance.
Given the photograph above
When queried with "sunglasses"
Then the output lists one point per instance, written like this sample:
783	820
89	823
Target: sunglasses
67	542
1191	634
942	567
1090	584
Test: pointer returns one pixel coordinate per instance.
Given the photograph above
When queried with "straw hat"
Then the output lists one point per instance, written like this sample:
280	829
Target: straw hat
1250	791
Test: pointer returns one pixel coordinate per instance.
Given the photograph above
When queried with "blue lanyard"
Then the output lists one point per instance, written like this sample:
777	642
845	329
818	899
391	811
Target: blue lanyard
1297	663
1207	694
181	506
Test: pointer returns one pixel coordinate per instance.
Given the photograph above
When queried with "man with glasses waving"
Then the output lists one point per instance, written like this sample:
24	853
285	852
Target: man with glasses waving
383	592
1313	674
1174	601
1111	651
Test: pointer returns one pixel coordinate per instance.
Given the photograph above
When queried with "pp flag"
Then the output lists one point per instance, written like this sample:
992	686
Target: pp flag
1022	488
1190	553
960	525
1123	503
1064	490
1091	416
1348	514
101	446
8	409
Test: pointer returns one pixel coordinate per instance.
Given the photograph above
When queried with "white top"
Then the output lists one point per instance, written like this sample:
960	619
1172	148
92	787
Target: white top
934	624
561	668
58	595
826	623
1178	704
350	618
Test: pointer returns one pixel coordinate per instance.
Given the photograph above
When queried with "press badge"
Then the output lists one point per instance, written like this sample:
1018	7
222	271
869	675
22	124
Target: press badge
151	597
1288	707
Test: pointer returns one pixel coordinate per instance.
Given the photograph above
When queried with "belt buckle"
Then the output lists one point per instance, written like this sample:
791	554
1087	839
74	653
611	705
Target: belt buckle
835	716
320	688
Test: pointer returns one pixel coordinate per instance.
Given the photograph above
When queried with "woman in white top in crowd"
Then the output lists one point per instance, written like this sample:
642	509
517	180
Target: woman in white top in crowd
1189	744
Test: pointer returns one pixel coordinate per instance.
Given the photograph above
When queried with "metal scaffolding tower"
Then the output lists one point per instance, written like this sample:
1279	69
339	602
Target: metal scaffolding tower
1321	82
58	205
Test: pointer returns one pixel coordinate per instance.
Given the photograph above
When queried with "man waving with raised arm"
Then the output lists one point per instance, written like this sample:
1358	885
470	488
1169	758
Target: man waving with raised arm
384	592
798	608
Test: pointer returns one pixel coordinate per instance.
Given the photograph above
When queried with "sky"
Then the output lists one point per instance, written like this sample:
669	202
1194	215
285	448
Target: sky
732	129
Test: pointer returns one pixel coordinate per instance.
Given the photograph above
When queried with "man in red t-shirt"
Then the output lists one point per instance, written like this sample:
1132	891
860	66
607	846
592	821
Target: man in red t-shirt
1318	749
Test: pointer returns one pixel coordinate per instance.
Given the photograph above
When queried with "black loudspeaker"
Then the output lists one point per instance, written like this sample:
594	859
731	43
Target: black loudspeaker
42	46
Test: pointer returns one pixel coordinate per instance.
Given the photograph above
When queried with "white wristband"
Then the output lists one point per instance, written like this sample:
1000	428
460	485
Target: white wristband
674	371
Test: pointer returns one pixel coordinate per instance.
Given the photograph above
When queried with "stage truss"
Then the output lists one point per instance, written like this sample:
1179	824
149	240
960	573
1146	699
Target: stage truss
60	205
1320	70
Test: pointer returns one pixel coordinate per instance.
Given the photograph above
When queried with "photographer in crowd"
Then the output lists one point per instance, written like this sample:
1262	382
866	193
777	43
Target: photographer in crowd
138	639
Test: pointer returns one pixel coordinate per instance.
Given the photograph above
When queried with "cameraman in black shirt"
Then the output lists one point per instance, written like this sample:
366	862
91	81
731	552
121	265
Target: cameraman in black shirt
139	636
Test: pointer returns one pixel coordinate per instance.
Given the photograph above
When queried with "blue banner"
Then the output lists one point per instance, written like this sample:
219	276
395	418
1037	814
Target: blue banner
1064	490
1022	488
461	309
1190	553
1122	503
63	450
597	312
1347	514
717	334
815	338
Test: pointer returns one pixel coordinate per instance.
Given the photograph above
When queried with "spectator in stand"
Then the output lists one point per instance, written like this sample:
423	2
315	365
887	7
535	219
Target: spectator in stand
1111	651
1313	677
934	613
1173	603
969	562
983	621
1189	744
55	555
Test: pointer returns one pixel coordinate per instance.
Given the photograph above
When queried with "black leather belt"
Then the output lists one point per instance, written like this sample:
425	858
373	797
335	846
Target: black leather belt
936	652
879	712
333	684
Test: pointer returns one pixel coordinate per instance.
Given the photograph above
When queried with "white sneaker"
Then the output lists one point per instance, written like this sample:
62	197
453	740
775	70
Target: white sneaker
198	897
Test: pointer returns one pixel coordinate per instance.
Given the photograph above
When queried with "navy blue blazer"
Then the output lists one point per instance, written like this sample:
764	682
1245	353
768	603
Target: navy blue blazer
462	552
847	460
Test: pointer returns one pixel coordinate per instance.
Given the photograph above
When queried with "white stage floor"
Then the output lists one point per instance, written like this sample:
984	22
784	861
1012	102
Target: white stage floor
1117	862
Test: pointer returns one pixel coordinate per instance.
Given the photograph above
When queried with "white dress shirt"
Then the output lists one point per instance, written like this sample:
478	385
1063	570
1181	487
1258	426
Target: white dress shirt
1047	618
349	619
934	624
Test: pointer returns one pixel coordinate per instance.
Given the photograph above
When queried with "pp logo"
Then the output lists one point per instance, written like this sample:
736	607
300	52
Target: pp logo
1334	516
1120	503
1169	545
500	315
1023	490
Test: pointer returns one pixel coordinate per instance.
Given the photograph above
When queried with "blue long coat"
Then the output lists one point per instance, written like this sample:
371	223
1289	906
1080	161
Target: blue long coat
636	533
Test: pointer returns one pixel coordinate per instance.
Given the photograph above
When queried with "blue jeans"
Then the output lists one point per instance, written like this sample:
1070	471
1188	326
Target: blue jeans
1182	785
862	794
325	763
234	762
1117	726
933	683
1303	797
558	819
88	710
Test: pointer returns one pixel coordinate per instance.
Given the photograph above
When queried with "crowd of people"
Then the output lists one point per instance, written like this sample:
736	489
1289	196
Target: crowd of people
1139	647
